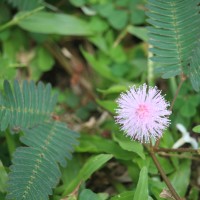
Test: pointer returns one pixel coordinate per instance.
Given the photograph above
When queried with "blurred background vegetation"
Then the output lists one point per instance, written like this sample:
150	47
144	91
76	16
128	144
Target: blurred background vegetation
90	51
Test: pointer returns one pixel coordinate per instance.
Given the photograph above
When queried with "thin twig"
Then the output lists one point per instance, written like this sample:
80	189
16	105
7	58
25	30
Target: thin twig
64	63
120	37
162	173
183	78
181	156
181	150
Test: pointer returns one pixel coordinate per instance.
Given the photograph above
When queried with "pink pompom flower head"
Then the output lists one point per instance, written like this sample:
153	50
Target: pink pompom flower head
142	113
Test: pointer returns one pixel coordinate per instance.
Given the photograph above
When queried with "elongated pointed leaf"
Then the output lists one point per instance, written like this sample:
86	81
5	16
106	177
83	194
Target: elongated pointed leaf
54	23
141	191
87	170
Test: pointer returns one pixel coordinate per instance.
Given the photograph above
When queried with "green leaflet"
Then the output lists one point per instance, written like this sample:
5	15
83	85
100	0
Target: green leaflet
174	35
35	167
25	106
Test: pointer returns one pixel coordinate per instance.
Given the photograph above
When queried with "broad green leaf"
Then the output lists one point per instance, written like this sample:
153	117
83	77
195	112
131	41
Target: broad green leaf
167	141
139	32
92	165
70	99
141	191
100	42
54	23
78	3
4	13
118	18
97	144
124	196
166	165
44	59
98	25
194	194
87	194
118	54
188	109
99	67
136	9
113	89
120	69
25	5
3	178
156	187
108	105
130	145
103	196
182	175
2	196
6	71
196	129
105	9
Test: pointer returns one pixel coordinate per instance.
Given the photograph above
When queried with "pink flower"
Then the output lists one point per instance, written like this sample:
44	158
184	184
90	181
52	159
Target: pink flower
142	113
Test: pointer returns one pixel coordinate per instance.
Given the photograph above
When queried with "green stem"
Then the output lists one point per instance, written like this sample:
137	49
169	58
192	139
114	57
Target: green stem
120	37
20	17
183	78
162	173
150	76
173	85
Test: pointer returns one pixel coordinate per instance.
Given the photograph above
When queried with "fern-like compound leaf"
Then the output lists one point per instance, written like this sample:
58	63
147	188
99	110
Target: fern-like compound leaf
175	35
33	174
54	136
35	170
25	106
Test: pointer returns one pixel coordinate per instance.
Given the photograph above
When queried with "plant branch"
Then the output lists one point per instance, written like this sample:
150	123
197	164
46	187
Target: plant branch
183	78
181	156
181	150
120	37
160	169
65	64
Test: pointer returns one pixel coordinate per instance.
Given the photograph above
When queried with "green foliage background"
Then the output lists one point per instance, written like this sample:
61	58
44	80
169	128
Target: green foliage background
90	51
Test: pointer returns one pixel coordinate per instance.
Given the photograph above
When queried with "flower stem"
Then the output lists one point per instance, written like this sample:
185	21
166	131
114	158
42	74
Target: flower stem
160	169
183	78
